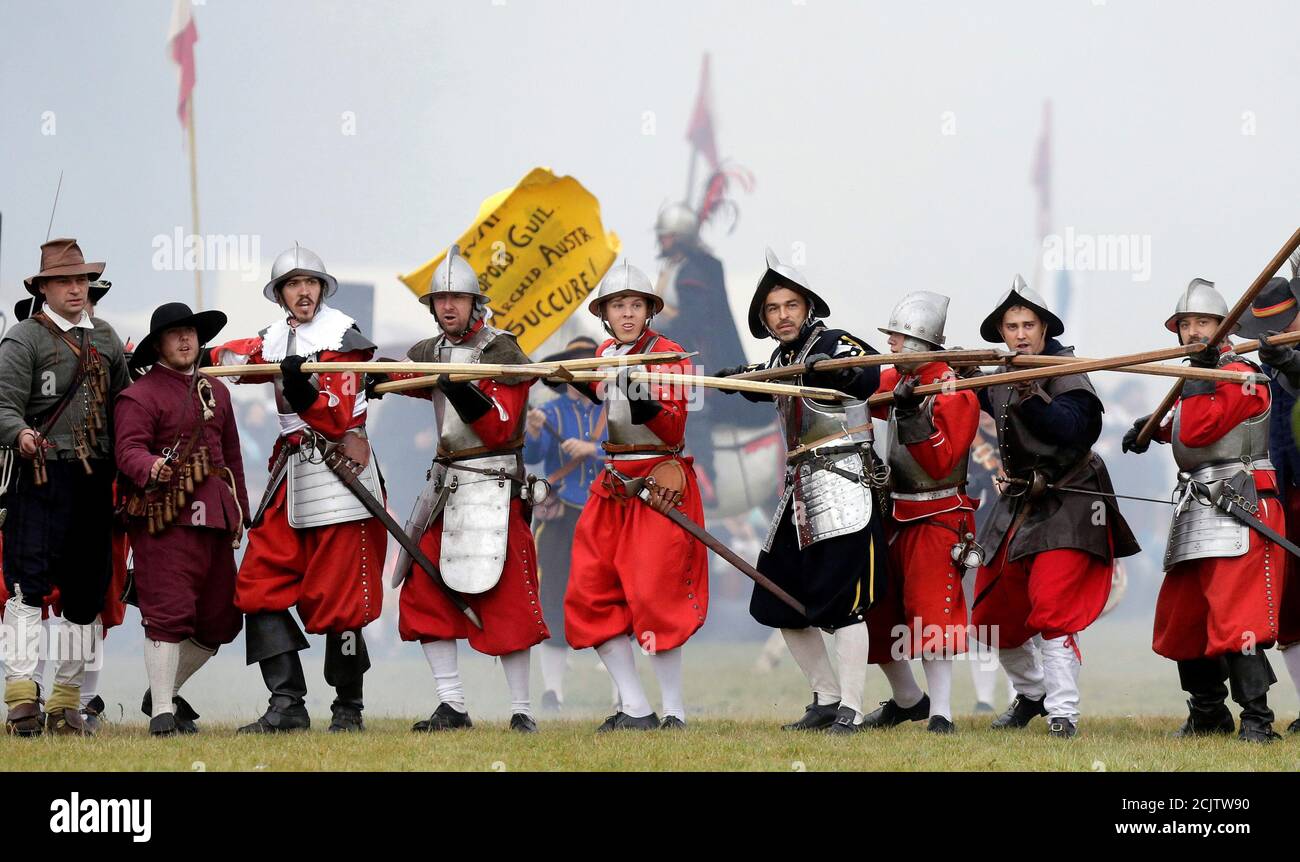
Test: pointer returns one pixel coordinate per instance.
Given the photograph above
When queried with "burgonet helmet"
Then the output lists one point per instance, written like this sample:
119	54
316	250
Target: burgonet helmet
1200	298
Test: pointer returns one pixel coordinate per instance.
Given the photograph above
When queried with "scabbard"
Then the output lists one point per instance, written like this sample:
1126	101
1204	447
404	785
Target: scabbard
278	469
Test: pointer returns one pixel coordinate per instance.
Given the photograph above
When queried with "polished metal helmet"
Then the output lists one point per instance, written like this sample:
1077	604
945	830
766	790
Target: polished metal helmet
678	220
1200	298
781	275
299	261
454	275
919	317
624	280
1020	294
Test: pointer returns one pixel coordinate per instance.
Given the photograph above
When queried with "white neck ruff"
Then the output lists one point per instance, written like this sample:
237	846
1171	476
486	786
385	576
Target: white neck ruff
324	332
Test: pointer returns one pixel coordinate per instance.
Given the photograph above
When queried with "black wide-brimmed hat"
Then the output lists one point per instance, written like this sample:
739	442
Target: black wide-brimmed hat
1273	309
173	315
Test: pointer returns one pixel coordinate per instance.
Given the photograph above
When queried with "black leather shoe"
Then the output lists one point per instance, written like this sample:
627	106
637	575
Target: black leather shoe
1293	727
623	721
844	722
346	718
91	712
939	724
1062	728
1205	720
1255	732
293	718
890	714
163	725
521	723
181	711
443	718
816	716
1022	711
672	722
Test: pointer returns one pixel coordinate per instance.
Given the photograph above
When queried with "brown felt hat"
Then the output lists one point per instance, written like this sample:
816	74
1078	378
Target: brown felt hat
62	257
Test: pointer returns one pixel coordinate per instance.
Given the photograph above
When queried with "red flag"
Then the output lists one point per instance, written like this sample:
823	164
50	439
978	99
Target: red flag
1041	178
700	131
181	37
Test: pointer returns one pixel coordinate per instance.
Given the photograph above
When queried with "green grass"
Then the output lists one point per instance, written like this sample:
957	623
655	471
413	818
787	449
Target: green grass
1130	703
1110	744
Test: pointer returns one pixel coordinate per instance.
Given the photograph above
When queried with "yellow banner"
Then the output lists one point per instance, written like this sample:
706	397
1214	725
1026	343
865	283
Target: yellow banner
539	249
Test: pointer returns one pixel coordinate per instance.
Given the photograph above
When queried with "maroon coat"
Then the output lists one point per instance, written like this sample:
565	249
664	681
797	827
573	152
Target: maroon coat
158	411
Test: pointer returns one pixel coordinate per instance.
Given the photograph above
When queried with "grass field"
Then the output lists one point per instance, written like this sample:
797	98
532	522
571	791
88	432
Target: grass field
1130	701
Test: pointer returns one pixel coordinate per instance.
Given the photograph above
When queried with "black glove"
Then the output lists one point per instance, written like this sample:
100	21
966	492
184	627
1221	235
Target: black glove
470	402
833	377
298	388
1207	358
1277	355
640	403
374	378
1130	443
905	400
730	371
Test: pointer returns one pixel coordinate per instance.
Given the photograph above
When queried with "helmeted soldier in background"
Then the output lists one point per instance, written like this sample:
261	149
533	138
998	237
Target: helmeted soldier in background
1218	605
634	571
1274	311
929	520
825	546
472	518
313	545
696	312
1047	554
61	370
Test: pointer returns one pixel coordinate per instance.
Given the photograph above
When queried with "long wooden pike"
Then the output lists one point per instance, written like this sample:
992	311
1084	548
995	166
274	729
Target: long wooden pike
1026	360
1224	329
435	368
1010	377
977	357
555	370
718	383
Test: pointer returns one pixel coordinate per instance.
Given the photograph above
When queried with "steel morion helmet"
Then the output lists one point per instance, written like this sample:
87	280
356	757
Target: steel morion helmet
781	275
624	280
1200	298
679	221
919	317
1019	294
299	261
455	275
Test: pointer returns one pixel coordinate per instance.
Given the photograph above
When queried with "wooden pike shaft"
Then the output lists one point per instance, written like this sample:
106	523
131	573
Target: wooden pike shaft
980	356
1154	368
1225	329
1028	374
718	383
435	368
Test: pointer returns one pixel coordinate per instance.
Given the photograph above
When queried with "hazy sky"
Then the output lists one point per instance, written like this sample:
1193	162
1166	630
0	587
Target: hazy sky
1175	122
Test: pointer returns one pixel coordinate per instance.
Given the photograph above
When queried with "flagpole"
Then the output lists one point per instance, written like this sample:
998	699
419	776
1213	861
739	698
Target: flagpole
690	175
194	207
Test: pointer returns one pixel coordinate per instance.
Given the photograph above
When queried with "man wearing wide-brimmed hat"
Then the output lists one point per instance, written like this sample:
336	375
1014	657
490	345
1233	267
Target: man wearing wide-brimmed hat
60	373
312	544
1277	310
183	486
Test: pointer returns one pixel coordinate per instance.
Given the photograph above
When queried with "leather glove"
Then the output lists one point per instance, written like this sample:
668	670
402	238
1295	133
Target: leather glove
469	402
374	378
1277	355
1207	358
1130	443
298	388
834	377
905	399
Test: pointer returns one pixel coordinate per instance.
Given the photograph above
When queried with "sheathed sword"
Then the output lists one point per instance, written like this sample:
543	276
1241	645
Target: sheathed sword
636	487
349	472
278	469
